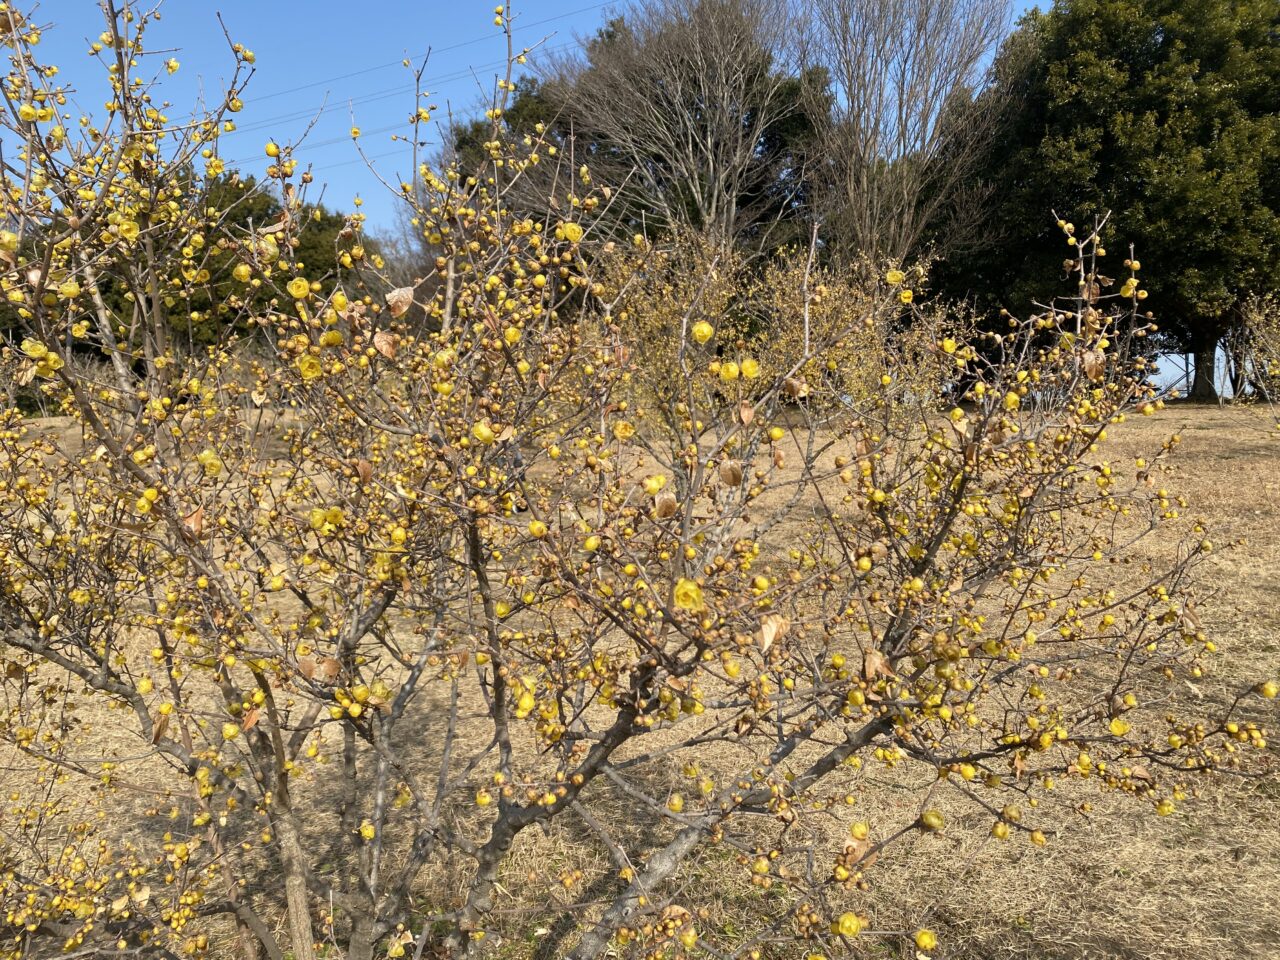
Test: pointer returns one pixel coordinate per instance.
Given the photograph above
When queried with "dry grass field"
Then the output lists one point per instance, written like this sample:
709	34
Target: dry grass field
1116	881
1119	882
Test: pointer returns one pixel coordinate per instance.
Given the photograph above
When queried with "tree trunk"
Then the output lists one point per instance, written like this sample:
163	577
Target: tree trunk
297	898
1202	388
361	944
1238	361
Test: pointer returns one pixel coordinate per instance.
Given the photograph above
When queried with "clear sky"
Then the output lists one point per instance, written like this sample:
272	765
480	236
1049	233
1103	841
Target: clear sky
329	62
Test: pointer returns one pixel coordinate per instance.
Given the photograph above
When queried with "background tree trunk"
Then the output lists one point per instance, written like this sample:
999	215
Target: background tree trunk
1202	386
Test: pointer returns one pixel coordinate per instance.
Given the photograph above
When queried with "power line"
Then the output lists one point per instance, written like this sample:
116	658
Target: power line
377	95
454	46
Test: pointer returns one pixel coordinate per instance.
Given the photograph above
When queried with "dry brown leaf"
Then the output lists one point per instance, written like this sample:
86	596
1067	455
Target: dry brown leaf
328	670
161	725
1095	364
875	665
399	301
746	412
193	522
664	504
385	343
364	470
795	388
731	473
251	719
772	628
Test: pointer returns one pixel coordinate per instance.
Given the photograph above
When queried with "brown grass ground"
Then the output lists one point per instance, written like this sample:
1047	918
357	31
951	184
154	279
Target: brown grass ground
1117	882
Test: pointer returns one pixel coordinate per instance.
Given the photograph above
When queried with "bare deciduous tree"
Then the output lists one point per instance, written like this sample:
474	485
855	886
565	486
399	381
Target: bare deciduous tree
905	123
688	99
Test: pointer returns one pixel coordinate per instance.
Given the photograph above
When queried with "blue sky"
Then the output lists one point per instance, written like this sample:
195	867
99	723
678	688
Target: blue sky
327	61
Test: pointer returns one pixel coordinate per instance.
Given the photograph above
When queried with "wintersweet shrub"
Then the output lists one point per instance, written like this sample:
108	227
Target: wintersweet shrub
305	645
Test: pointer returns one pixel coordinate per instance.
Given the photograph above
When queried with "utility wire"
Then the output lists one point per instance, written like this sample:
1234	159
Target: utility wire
376	95
453	46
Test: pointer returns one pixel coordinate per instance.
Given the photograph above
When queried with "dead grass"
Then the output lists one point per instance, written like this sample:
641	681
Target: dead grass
1117	882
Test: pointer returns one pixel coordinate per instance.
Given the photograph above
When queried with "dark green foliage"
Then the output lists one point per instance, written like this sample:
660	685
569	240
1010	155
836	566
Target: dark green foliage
1163	112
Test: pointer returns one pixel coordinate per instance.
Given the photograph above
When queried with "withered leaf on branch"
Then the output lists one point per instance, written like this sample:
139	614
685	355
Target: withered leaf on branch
731	472
385	343
1095	364
875	665
795	388
772	628
399	301
363	469
193	522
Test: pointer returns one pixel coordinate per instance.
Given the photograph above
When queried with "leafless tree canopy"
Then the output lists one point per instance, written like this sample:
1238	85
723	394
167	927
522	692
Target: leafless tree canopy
683	96
904	123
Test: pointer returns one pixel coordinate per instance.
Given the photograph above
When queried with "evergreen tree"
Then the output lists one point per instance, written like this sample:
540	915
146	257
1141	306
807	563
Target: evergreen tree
1163	112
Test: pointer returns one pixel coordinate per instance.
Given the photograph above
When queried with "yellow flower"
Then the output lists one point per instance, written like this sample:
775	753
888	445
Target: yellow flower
729	370
537	529
27	112
129	231
273	149
703	331
367	830
309	367
1012	401
69	290
242	272
688	595
34	349
172	65
572	232
895	277
848	925
230	731
926	940
298	288
210	461
624	430
653	484
751	368
484	433
906	296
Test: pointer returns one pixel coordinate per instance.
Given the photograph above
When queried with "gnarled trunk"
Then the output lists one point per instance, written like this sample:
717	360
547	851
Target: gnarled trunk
1202	386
